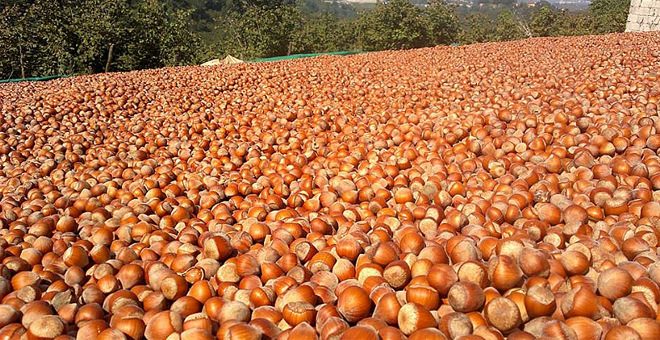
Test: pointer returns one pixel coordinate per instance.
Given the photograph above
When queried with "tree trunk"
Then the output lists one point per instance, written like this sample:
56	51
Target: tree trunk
525	28
20	51
107	64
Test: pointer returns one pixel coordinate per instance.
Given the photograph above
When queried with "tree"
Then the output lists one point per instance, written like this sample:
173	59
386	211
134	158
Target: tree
575	23
33	39
98	25
397	24
323	33
47	37
443	23
260	32
477	27
507	27
544	22
158	35
609	15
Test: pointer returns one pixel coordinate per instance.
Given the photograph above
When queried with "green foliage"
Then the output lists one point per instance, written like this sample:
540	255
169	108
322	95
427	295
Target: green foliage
95	31
323	33
508	28
443	23
609	15
397	24
30	44
171	44
476	28
578	23
261	32
544	22
47	37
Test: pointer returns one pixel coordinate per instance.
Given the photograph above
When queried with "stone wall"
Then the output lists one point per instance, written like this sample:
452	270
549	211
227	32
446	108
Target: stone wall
644	16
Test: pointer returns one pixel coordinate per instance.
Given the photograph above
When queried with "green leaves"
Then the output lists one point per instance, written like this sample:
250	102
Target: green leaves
260	32
395	25
477	27
443	23
609	15
544	22
508	27
323	33
73	37
31	44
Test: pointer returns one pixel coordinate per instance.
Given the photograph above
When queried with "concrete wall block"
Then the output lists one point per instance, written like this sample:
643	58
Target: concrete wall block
655	11
632	27
644	16
646	3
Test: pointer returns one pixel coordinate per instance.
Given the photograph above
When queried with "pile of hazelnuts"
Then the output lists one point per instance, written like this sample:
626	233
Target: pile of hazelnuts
483	192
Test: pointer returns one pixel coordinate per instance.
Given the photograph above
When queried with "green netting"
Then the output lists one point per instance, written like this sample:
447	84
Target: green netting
308	55
33	79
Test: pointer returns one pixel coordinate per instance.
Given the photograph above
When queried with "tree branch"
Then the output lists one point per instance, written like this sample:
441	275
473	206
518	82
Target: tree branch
107	64
20	51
